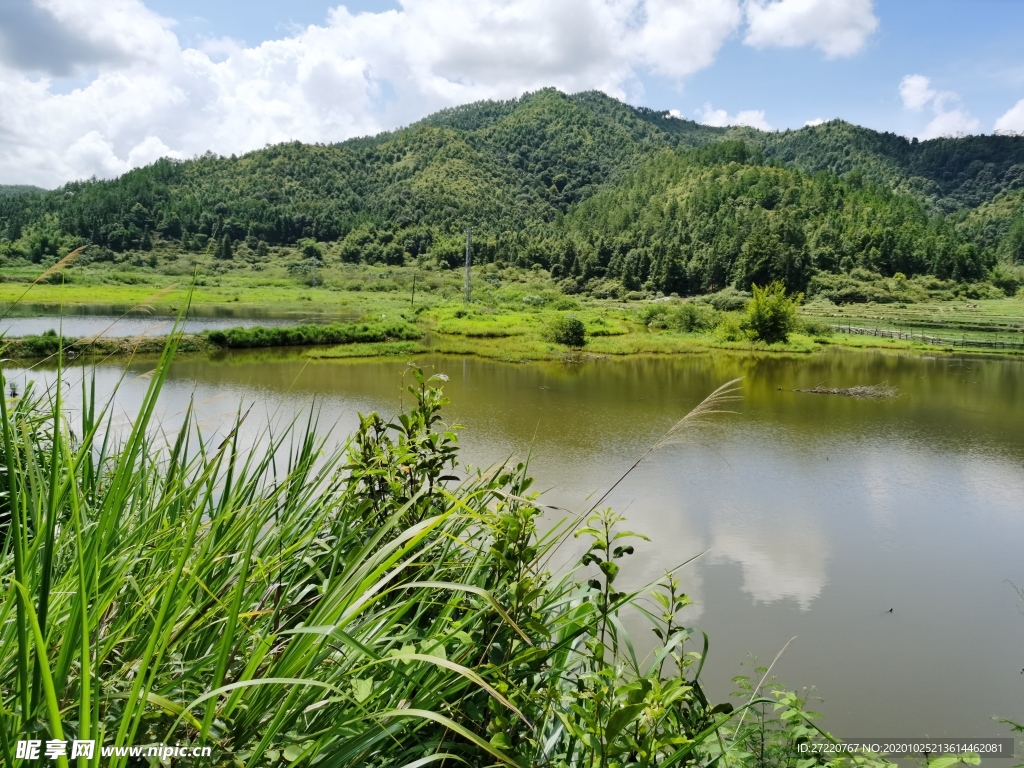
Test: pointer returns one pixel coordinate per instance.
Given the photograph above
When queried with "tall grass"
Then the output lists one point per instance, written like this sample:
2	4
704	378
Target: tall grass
279	599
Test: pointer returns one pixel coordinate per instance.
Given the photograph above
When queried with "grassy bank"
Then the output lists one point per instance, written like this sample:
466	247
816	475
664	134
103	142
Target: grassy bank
277	598
509	318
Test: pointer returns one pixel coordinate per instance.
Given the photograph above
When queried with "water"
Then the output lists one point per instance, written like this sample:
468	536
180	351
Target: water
79	321
817	514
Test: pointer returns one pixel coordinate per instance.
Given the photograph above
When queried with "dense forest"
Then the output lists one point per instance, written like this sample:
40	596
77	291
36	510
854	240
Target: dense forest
583	185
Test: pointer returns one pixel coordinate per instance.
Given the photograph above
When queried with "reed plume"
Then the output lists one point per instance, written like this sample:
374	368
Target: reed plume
55	268
710	405
60	264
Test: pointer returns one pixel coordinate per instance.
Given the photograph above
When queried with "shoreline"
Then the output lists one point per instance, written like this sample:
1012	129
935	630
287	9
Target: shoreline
512	349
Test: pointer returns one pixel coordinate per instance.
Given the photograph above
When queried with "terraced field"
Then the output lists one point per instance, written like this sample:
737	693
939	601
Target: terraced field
996	322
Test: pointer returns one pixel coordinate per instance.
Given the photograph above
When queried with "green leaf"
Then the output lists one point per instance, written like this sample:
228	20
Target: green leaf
968	758
362	689
621	718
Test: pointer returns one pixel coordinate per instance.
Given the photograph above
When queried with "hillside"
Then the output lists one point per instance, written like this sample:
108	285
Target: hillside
582	184
11	190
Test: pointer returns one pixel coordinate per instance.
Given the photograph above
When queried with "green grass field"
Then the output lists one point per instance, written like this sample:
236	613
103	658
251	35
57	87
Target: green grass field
510	315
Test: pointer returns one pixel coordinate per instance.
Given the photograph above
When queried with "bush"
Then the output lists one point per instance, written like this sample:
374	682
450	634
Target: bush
566	304
771	314
815	328
1007	279
728	300
685	317
569	330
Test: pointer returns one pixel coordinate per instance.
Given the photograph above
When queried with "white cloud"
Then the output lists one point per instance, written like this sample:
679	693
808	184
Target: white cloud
951	122
950	117
354	74
916	91
720	118
836	27
680	37
140	92
814	122
1013	121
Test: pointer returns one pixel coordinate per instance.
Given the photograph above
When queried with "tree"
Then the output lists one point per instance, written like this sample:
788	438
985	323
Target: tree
771	314
224	251
312	252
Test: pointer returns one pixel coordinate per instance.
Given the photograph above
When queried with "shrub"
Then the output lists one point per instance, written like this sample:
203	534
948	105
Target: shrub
569	330
730	328
684	317
727	300
771	314
565	304
1007	279
816	328
688	317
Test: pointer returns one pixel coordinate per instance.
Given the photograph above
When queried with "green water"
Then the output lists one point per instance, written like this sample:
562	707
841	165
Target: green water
816	514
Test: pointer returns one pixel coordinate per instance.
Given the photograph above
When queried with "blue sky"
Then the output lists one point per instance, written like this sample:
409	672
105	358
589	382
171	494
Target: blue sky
94	87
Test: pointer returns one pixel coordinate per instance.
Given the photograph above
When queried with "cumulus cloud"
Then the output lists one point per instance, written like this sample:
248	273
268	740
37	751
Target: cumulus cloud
141	92
1012	123
720	118
814	122
951	122
680	37
950	117
836	27
33	39
916	91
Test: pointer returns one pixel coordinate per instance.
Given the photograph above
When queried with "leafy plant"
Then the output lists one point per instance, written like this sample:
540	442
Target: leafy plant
568	330
771	313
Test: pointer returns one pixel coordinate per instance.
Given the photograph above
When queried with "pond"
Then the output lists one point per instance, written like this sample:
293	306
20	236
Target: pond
885	535
124	321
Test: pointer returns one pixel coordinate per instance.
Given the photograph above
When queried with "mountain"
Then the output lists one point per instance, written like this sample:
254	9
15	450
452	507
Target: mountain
10	190
582	183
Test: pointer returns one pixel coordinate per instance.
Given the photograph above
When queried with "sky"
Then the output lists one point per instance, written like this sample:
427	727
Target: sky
97	87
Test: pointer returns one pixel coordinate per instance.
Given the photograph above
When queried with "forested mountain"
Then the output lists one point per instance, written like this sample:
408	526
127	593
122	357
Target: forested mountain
18	189
585	185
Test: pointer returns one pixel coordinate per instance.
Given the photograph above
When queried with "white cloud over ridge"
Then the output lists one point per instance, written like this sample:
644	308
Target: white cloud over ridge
720	118
951	118
1012	123
143	95
836	27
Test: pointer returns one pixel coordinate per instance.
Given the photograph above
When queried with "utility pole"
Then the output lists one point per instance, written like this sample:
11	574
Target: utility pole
412	301
468	286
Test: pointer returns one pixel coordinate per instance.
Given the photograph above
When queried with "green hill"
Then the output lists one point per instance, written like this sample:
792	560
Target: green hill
582	184
13	190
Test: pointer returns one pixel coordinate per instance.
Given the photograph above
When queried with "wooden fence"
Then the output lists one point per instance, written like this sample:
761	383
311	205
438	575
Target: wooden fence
885	333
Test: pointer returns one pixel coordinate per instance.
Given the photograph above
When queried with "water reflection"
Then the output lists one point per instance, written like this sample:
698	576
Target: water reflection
781	559
113	320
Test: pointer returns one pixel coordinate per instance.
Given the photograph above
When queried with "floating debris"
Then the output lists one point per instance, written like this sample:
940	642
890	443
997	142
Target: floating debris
865	390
